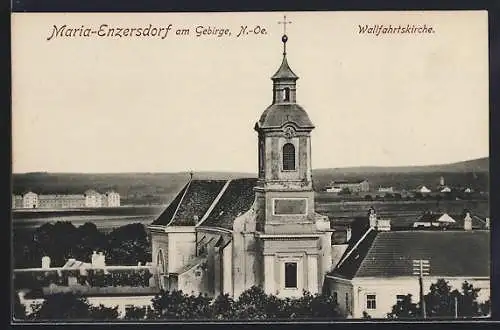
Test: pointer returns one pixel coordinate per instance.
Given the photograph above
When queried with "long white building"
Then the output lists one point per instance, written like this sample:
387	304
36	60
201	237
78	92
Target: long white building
90	198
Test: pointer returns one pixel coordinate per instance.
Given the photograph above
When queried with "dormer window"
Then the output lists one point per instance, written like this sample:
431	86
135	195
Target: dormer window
286	94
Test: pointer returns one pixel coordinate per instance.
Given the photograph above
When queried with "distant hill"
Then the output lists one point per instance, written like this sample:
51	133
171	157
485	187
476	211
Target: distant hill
471	173
160	188
474	165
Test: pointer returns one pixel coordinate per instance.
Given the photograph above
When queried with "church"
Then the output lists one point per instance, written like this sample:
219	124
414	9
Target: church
225	236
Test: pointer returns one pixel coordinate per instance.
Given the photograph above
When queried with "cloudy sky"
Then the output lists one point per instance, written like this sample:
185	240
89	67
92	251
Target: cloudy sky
146	104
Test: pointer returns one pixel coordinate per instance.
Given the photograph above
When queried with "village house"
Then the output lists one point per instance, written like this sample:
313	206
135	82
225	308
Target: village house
423	190
354	186
376	269
79	277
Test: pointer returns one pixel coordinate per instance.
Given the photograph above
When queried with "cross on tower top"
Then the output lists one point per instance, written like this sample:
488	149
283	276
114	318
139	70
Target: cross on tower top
284	22
285	37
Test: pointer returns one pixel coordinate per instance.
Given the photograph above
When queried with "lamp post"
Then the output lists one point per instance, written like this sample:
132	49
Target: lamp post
421	268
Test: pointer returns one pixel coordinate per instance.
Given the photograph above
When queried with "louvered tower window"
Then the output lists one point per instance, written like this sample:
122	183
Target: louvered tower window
286	94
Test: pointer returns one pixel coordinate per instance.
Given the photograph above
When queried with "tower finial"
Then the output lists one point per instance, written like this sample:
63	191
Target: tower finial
284	38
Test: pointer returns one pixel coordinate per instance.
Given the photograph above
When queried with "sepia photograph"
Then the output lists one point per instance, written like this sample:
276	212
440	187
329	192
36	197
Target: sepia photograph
250	166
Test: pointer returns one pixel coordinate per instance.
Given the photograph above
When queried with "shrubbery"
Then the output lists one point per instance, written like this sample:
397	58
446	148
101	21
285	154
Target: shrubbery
253	304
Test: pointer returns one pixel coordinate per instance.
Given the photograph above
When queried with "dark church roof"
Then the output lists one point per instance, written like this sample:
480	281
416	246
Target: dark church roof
390	254
198	197
278	114
284	72
236	200
192	201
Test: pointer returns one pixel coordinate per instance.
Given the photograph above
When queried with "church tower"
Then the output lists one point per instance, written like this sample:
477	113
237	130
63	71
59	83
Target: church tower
284	138
290	232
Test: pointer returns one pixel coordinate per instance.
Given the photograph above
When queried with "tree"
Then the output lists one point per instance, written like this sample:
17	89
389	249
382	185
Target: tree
254	304
128	245
443	302
102	312
62	306
440	301
223	308
89	239
467	303
404	309
314	306
136	313
176	305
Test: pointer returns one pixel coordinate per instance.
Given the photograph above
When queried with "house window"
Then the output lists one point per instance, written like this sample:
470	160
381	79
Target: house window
347	301
335	298
288	157
286	94
371	301
290	274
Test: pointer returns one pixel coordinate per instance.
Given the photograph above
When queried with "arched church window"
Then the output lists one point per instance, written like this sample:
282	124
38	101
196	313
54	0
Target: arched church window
288	157
286	94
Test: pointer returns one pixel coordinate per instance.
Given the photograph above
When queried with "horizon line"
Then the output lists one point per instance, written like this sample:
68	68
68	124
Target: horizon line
248	172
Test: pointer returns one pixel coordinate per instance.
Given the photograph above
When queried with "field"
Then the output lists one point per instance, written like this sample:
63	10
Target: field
340	213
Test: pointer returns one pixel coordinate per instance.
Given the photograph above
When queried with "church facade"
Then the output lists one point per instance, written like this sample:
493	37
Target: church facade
225	236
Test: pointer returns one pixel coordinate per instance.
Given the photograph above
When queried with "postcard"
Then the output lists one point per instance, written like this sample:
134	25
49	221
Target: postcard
250	166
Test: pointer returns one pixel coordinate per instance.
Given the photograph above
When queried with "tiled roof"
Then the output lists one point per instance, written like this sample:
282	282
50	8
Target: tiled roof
167	214
276	115
193	201
236	200
199	196
389	254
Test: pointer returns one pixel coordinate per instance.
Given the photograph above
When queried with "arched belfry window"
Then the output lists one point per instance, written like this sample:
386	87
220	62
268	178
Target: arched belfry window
286	94
288	157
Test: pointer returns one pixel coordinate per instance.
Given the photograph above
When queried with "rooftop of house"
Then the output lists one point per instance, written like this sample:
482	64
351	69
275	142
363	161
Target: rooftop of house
218	202
390	254
348	181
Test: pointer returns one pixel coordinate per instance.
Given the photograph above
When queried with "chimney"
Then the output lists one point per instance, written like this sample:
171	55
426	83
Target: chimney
372	218
348	234
441	181
487	223
94	259
45	262
383	225
102	260
467	222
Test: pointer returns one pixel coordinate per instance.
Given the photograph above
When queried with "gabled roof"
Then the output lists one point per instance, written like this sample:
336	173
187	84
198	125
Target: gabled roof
236	200
390	254
190	203
197	198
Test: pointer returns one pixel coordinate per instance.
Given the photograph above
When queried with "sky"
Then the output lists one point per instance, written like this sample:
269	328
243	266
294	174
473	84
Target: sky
147	104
